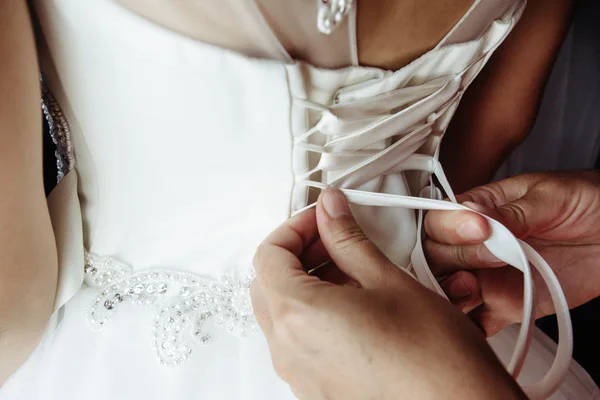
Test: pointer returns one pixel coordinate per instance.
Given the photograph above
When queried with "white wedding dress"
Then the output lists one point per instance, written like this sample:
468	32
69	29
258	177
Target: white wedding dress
177	157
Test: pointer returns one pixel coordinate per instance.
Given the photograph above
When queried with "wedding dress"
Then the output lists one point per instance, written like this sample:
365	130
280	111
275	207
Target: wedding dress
177	156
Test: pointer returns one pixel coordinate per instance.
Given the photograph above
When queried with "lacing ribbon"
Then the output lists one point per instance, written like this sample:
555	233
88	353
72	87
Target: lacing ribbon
366	139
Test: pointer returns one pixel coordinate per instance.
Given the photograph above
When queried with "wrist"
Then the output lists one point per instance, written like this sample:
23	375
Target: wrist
490	382
479	375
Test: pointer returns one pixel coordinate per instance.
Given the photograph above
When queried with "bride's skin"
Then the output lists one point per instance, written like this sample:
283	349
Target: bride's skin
28	260
390	35
499	109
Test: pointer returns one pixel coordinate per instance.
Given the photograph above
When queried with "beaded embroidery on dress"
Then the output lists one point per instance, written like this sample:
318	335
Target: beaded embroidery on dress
59	132
185	304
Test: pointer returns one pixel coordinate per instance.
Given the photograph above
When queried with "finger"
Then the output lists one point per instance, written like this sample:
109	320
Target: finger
317	262
260	309
523	216
502	291
463	291
488	320
331	273
502	294
347	244
279	271
445	259
496	194
295	234
457	227
514	203
314	255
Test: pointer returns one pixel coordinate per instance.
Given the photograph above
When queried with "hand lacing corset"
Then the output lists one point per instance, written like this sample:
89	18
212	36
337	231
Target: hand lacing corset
365	139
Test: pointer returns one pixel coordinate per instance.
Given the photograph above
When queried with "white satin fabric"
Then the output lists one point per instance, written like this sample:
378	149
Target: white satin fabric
188	155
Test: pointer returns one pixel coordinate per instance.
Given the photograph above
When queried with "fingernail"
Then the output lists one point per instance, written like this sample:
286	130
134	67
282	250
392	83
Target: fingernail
470	231
456	289
335	203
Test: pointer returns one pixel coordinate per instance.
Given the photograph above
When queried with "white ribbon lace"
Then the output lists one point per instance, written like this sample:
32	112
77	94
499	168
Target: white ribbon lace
366	139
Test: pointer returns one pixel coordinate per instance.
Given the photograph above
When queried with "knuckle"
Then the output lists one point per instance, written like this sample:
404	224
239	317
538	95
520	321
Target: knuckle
297	392
353	240
432	221
369	249
262	319
517	212
461	256
260	255
480	255
254	292
491	325
470	304
430	249
254	289
344	237
292	319
281	365
491	195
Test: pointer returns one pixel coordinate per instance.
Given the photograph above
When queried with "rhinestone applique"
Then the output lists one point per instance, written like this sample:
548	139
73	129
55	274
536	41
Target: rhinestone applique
59	132
186	304
331	13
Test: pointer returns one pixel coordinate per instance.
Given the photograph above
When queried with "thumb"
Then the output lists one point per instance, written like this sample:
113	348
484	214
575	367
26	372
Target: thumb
519	216
353	253
523	216
514	202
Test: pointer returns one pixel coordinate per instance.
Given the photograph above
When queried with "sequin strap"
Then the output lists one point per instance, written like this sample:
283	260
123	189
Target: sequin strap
59	132
186	304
